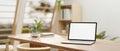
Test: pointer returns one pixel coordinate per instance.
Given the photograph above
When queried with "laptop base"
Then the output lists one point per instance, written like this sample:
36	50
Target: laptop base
78	42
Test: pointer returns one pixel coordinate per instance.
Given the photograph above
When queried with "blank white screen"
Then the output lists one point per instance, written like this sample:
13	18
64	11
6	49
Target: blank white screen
84	31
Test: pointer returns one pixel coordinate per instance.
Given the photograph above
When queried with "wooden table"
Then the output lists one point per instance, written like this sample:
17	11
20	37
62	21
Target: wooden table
55	42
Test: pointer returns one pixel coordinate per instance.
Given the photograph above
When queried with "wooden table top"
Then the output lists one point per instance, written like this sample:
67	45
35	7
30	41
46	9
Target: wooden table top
55	42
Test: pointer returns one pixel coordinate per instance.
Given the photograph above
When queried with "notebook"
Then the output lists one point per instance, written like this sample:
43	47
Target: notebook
81	33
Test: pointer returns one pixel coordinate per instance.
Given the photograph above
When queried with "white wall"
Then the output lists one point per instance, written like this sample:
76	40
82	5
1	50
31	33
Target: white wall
105	12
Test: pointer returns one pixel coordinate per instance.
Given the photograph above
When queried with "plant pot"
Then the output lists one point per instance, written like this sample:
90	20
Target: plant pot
63	31
35	34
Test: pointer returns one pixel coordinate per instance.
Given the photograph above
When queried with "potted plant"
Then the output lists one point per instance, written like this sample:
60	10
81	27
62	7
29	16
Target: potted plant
36	28
102	35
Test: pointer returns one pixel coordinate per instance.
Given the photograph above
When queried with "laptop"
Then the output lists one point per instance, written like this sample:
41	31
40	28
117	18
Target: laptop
81	33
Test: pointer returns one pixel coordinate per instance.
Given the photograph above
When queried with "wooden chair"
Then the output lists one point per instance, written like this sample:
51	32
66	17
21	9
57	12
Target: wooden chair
5	47
26	47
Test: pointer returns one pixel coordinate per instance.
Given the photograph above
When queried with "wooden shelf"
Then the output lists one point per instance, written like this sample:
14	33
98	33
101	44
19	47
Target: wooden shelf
66	6
42	7
6	29
4	34
63	20
75	16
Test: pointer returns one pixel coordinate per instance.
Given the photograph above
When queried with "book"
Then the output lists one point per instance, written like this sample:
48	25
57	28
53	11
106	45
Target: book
47	34
62	14
66	14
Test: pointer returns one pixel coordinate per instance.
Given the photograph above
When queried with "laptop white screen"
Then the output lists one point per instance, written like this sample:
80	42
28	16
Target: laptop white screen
82	31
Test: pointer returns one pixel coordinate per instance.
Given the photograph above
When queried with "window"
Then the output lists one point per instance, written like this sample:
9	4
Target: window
38	9
7	14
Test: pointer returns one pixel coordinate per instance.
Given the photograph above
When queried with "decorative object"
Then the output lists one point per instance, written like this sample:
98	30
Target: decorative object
26	47
64	30
59	4
36	29
102	35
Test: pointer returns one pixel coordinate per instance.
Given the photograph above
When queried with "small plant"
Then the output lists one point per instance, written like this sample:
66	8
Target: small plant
102	35
114	38
59	4
37	26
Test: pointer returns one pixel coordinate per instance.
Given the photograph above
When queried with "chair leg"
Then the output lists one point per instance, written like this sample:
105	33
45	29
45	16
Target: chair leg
7	47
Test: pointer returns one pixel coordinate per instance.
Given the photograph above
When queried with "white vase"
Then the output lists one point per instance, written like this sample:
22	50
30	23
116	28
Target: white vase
63	31
35	35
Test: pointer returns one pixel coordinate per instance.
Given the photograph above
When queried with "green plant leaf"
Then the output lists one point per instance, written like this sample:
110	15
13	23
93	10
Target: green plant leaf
114	38
101	35
59	4
37	26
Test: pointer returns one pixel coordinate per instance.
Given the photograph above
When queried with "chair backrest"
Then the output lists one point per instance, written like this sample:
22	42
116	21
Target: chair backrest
26	47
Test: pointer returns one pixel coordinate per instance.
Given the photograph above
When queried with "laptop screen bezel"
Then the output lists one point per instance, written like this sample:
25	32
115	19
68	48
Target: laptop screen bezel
84	23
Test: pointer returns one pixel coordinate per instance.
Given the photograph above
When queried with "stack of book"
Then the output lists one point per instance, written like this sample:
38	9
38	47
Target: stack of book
66	14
